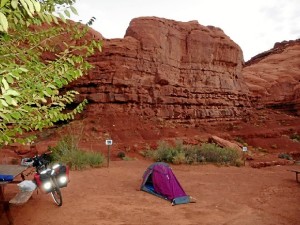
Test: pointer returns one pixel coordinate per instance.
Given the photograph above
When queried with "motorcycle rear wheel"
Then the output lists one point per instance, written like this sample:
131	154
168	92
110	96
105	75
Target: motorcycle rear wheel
57	197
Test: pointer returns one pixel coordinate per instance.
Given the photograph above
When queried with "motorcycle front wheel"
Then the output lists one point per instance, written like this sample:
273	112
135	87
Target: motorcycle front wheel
56	195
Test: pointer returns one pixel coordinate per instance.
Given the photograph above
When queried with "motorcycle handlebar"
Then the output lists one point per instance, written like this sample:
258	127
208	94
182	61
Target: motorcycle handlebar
39	158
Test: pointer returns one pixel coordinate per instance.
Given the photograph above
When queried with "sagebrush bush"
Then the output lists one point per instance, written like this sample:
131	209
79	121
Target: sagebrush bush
216	154
167	153
188	154
192	154
67	151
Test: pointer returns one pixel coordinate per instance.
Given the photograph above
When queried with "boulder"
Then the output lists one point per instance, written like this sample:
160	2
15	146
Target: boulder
224	143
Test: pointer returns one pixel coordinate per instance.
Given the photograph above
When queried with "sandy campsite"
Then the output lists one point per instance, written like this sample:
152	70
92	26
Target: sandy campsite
225	195
165	81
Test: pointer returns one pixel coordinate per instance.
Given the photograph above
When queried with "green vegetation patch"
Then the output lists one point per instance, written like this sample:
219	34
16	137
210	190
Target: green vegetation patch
67	151
188	154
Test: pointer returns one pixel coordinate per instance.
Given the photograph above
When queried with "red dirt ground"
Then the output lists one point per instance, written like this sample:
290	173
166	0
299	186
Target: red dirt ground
225	195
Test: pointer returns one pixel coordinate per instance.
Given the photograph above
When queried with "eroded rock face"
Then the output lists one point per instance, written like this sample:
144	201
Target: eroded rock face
181	71
273	77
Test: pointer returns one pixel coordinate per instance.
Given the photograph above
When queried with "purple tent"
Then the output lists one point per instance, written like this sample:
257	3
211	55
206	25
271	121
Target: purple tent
160	180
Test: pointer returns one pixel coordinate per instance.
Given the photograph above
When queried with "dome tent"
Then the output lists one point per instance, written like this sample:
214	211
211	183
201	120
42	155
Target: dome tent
160	181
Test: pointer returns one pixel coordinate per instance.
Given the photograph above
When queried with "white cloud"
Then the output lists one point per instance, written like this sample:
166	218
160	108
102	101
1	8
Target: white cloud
254	25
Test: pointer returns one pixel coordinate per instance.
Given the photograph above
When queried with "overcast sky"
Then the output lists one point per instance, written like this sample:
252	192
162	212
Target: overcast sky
254	25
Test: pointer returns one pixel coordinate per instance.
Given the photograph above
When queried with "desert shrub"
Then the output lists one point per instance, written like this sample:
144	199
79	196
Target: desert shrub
165	152
285	156
240	140
179	158
192	154
67	151
188	154
148	153
215	154
295	137
121	155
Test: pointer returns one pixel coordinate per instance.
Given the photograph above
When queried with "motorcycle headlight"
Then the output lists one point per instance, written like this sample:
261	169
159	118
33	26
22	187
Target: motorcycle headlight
62	179
47	185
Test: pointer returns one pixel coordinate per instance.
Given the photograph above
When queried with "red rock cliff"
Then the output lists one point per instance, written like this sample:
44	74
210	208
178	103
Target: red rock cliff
181	71
273	77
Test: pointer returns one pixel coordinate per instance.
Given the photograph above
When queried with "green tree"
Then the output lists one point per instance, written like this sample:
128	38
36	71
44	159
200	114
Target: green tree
31	96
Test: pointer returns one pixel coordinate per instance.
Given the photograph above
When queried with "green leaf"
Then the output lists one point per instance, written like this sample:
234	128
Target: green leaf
12	92
48	92
58	83
5	84
23	69
25	6
73	10
3	22
10	79
37	5
16	115
55	19
43	100
16	21
14	102
49	18
3	90
3	102
51	86
67	13
62	17
14	4
3	2
3	116
30	6
8	99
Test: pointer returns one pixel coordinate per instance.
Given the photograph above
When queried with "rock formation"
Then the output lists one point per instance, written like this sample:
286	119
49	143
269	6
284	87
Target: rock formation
180	71
273	77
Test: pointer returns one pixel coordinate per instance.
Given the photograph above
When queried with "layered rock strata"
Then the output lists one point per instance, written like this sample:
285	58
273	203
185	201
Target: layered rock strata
273	77
180	71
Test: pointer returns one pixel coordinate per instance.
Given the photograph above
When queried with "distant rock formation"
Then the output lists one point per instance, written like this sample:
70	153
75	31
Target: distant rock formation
273	77
180	71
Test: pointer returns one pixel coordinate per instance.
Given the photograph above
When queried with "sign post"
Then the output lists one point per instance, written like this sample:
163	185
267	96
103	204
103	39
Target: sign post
108	143
245	149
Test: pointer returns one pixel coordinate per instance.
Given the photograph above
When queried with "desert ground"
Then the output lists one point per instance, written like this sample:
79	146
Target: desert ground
225	195
267	195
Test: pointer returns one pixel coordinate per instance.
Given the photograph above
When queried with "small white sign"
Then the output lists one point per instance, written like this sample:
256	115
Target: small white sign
108	142
245	149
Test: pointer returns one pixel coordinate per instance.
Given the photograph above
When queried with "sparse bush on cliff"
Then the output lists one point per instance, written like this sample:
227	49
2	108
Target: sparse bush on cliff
67	151
295	137
187	154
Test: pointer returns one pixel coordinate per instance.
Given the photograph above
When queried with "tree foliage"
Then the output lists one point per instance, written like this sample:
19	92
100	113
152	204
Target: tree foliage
31	97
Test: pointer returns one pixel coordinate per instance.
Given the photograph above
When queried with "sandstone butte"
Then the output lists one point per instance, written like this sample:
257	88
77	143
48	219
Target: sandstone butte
179	71
183	71
168	80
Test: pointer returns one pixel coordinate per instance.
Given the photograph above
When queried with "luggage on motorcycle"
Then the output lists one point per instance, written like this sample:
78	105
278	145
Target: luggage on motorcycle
37	179
41	179
62	172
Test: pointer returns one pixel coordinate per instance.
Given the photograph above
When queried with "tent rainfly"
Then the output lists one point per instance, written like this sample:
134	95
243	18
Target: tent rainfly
160	181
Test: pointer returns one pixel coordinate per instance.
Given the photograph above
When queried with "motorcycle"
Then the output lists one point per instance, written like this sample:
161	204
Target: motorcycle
49	178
